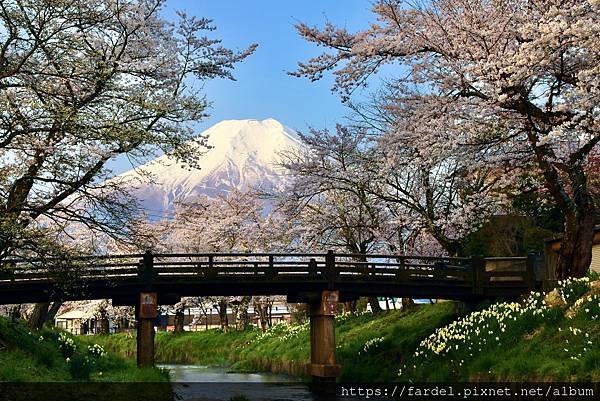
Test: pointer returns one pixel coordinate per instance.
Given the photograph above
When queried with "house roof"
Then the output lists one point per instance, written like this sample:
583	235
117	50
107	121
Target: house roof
74	314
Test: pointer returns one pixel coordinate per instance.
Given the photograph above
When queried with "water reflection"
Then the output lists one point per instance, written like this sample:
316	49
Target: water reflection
204	383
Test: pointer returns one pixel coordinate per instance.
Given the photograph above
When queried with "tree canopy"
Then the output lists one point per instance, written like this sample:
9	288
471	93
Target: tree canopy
85	81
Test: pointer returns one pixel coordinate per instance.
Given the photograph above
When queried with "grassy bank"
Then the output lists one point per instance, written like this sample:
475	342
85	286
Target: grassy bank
51	355
552	336
285	349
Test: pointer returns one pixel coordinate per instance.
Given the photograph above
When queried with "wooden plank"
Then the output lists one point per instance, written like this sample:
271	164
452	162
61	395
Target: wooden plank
398	257
505	273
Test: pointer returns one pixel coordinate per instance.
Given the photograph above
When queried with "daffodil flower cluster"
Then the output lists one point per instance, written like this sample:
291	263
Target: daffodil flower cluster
372	343
96	350
283	331
577	344
481	329
571	289
343	317
588	306
66	344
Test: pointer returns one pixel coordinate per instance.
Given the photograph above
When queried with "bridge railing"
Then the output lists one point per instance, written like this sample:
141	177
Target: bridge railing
505	271
402	267
71	268
246	265
476	272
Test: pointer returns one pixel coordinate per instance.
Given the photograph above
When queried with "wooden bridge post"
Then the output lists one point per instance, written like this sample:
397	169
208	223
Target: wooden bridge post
323	364
530	266
330	269
478	268
146	312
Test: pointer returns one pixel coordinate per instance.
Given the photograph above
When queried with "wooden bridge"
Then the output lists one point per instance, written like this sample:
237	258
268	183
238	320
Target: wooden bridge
317	279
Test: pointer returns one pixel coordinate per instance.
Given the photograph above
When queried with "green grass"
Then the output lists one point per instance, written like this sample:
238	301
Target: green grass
38	357
375	348
286	349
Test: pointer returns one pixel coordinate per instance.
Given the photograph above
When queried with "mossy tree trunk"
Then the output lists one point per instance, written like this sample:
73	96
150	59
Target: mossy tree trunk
263	317
38	316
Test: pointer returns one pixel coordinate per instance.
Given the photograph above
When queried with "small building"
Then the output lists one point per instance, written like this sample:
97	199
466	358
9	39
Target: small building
74	321
552	247
195	319
79	321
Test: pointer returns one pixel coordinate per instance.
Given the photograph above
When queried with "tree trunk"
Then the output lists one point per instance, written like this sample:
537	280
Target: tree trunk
205	314
179	319
103	321
262	316
223	314
407	303
104	325
242	318
36	320
375	308
53	311
580	213
350	306
234	315
15	312
575	254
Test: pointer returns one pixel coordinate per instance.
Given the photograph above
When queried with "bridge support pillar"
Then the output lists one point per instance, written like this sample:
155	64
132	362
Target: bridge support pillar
145	314
323	364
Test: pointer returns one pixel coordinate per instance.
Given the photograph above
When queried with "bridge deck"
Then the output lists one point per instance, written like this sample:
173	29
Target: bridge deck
123	277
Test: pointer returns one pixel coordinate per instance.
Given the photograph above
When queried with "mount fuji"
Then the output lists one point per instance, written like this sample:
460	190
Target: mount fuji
243	155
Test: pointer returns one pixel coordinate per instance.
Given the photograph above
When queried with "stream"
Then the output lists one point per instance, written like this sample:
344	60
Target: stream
204	383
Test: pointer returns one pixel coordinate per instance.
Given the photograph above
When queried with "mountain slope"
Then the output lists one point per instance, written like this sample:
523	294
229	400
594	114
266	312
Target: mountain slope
243	155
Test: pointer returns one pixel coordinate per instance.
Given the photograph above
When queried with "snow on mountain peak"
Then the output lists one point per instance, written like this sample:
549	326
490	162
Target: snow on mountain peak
243	155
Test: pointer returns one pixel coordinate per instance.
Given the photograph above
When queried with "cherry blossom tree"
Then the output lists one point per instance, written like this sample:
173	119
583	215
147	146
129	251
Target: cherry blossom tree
329	195
82	82
519	77
235	222
433	186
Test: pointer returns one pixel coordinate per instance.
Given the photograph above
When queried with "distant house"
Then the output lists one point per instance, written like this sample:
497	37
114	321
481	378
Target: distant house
195	319
553	246
80	322
595	265
75	322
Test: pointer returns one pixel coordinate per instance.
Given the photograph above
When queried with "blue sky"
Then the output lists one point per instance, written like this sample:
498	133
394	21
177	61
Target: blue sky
263	88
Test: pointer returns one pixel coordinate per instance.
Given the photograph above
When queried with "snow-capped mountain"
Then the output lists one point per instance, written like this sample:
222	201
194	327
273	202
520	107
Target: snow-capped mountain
243	154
